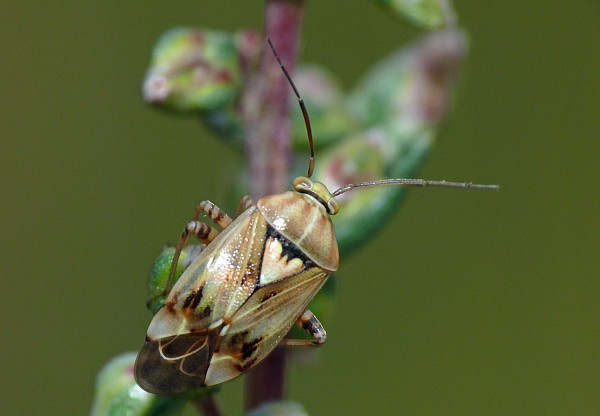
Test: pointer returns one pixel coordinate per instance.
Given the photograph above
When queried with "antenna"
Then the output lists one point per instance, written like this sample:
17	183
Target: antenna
311	162
414	182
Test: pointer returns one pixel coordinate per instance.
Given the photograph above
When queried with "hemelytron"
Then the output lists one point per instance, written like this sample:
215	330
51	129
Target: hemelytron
253	280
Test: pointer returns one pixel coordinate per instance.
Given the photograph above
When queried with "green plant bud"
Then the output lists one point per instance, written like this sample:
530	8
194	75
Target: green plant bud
193	71
249	44
281	408
413	85
117	394
226	122
426	14
159	275
378	153
325	102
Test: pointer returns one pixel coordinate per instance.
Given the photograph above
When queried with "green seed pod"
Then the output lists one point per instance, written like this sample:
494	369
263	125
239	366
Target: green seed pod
193	71
398	106
226	121
401	101
329	117
371	155
413	85
159	275
425	14
116	393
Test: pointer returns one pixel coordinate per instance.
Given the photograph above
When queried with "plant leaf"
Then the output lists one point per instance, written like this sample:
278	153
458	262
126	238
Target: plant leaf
425	14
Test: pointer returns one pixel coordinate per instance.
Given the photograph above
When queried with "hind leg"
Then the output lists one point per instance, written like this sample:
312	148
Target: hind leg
309	322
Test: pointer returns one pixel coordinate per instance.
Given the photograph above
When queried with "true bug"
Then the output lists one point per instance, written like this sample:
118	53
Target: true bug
239	298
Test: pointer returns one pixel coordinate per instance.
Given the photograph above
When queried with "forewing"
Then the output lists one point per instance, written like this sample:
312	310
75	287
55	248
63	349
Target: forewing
261	323
279	302
182	335
217	283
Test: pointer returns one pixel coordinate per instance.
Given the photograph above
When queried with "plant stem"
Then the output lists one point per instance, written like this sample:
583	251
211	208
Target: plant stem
266	382
266	102
206	405
266	112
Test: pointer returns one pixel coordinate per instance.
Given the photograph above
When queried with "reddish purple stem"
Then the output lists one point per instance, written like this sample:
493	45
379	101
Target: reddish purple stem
266	102
266	112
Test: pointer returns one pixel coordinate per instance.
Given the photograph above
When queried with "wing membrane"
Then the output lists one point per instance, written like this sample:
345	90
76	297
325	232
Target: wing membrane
173	365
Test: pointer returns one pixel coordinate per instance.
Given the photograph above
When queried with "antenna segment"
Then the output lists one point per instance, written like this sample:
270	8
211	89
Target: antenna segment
311	162
415	182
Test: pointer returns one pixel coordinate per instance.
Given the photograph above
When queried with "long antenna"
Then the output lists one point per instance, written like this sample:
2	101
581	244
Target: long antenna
311	162
415	182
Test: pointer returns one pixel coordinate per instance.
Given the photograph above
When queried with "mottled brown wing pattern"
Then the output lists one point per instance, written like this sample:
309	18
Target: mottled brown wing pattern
217	283
183	335
262	322
229	309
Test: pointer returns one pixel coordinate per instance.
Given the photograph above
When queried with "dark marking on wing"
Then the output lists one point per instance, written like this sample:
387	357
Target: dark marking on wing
289	249
238	339
171	302
248	348
268	296
249	364
193	299
250	272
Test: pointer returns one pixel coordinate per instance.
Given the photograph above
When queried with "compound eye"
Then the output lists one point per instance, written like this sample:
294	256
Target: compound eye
302	184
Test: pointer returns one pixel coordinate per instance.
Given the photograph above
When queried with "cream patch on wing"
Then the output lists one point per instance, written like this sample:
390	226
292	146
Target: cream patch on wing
276	266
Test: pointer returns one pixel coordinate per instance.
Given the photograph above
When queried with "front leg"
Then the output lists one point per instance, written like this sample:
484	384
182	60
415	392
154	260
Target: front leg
214	212
309	322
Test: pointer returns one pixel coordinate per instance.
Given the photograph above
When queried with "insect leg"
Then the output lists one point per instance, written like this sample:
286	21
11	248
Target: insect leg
245	203
203	232
214	212
309	322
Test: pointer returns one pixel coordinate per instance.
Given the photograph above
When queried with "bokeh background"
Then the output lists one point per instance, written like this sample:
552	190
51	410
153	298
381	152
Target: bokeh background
467	303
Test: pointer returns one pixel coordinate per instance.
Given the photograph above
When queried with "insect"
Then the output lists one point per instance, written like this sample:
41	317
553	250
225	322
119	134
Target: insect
239	298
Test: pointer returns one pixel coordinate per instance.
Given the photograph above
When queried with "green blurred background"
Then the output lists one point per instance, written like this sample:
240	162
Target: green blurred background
467	303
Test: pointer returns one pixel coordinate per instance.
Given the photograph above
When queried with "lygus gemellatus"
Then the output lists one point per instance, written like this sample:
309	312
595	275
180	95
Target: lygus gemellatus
240	296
